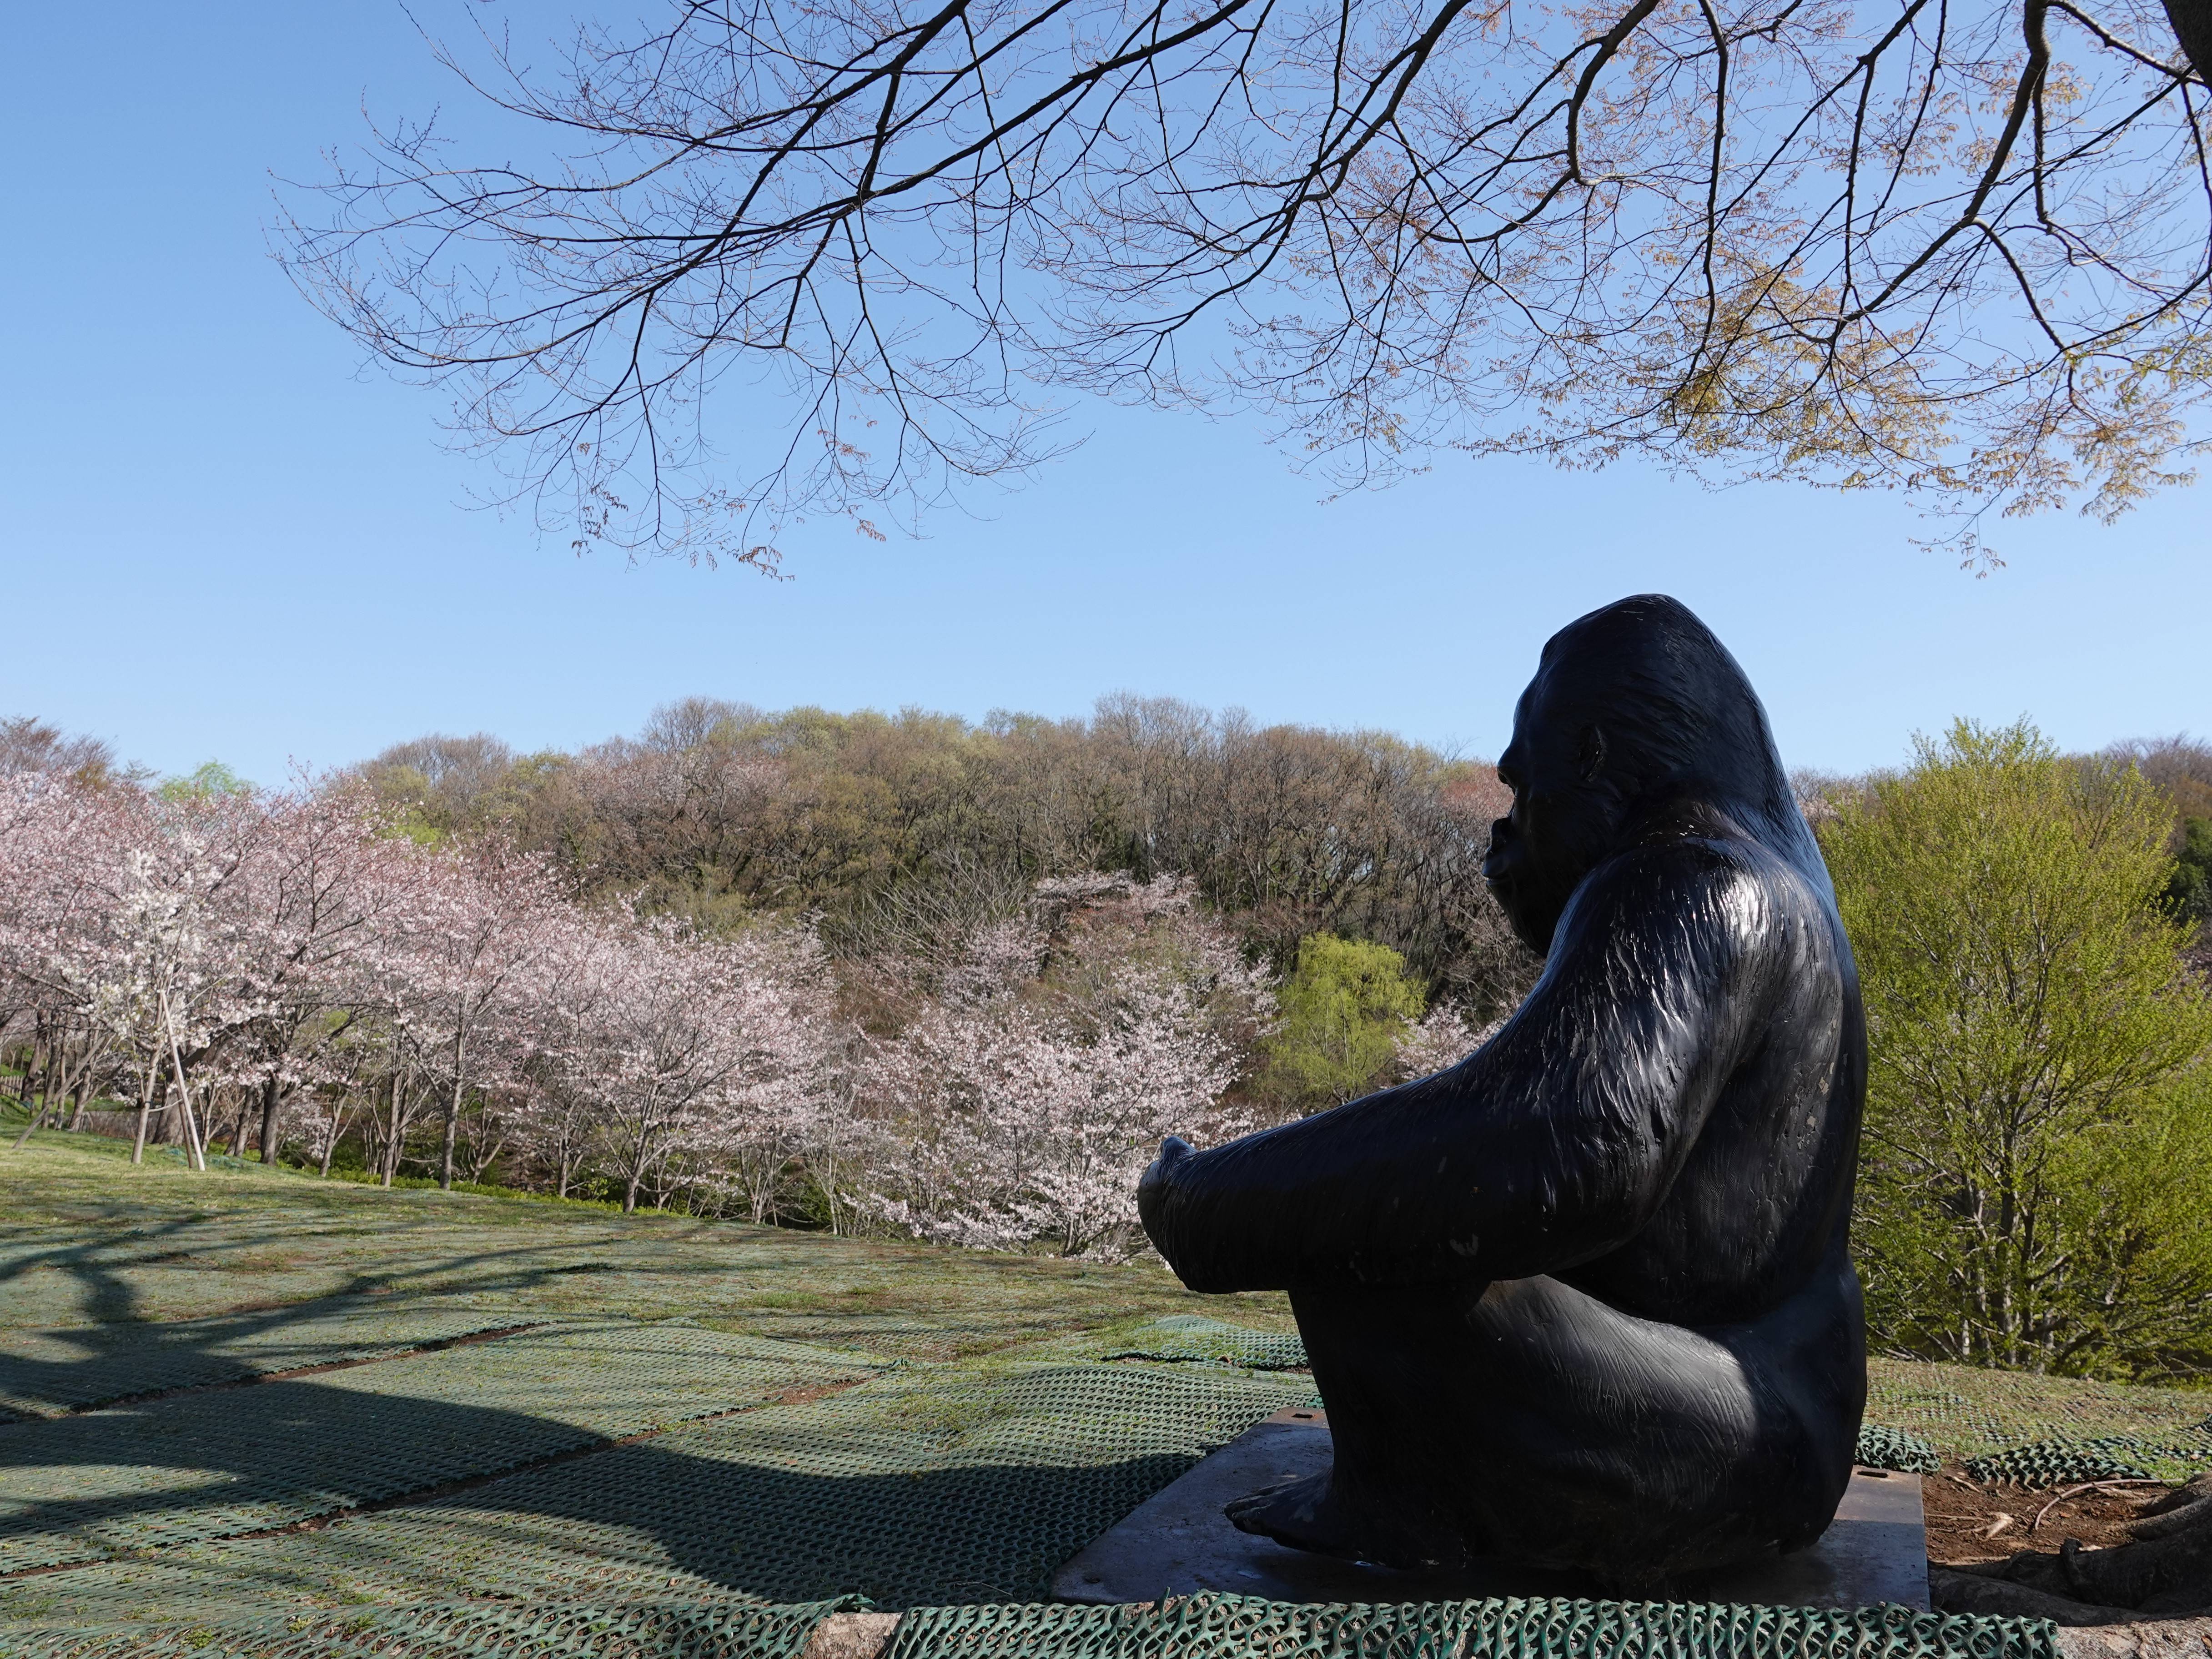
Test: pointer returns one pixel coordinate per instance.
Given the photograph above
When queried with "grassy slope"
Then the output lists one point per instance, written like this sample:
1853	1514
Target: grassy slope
86	1238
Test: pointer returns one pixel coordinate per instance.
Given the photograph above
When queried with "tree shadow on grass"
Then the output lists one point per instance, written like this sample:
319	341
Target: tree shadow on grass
774	1281
741	1506
122	1355
777	1504
655	1519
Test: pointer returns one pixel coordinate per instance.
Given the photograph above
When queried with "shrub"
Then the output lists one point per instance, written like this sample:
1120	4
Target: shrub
1346	1008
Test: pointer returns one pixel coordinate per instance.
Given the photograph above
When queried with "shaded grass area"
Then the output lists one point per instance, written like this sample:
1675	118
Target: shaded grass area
218	1464
53	1373
919	1488
484	1397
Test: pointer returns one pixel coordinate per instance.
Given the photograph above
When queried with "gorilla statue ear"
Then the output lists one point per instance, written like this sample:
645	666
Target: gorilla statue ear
1590	754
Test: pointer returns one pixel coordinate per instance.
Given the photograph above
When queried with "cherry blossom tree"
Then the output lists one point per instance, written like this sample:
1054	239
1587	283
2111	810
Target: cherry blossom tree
236	954
559	1118
695	1060
320	900
161	985
1022	1104
1441	1037
485	917
61	848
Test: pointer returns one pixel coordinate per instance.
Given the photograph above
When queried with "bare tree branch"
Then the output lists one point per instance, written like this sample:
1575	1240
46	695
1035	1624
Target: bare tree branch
1860	243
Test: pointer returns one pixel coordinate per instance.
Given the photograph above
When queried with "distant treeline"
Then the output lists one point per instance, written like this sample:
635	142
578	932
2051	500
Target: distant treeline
895	830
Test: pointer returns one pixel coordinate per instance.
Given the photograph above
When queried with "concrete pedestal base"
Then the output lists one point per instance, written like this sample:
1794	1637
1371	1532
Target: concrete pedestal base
1179	1541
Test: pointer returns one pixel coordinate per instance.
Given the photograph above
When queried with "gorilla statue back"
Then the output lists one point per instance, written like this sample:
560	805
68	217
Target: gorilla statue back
1584	1300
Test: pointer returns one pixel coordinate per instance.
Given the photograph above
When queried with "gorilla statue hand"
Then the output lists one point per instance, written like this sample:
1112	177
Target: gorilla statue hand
1175	1151
1153	1191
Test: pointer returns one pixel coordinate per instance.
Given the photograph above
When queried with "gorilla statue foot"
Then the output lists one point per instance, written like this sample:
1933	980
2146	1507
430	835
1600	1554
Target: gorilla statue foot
1309	1513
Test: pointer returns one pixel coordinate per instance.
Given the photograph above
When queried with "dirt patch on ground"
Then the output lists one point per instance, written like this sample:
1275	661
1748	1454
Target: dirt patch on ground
1970	1521
2132	1554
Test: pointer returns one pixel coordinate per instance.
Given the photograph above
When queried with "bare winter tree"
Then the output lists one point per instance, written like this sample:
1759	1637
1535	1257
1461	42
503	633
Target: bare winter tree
1958	246
28	745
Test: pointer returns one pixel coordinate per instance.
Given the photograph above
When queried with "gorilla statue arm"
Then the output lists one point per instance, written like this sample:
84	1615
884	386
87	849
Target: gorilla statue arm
1550	1144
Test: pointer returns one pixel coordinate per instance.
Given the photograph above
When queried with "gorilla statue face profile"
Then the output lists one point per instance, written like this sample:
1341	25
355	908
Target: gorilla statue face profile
1636	712
1584	1301
1565	816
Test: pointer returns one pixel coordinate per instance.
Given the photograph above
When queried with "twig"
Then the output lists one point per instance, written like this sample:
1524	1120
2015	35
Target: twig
2089	1486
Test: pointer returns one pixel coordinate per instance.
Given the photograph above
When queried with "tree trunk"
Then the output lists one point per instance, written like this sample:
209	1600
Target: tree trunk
184	1098
452	1113
272	1103
396	1141
37	1112
81	1098
35	1102
145	1111
42	1056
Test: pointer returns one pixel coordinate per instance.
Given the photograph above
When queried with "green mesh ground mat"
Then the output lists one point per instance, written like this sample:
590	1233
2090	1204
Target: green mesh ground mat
1210	1626
213	1464
2105	1457
1881	1446
921	1488
722	1627
1967	1414
51	1373
1205	1626
1194	1337
2061	1463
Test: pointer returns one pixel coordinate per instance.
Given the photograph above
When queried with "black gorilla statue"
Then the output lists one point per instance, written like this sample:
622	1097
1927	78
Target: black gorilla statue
1583	1300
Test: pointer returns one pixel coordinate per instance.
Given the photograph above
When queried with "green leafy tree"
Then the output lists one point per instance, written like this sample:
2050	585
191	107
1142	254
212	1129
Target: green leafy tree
2188	890
2038	1173
1344	1009
212	780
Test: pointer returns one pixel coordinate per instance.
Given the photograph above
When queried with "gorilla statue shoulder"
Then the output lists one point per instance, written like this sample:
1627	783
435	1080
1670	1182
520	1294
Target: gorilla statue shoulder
1584	1300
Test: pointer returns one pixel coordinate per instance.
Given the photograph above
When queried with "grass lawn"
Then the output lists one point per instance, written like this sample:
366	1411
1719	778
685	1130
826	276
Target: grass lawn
86	1238
462	1397
478	1408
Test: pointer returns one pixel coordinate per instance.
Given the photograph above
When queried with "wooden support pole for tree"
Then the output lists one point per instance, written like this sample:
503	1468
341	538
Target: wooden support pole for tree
184	1091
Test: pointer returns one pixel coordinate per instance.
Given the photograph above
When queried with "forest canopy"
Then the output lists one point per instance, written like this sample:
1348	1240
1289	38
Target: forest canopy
897	829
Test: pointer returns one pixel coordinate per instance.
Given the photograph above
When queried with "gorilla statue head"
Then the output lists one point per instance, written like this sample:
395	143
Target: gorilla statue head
1636	711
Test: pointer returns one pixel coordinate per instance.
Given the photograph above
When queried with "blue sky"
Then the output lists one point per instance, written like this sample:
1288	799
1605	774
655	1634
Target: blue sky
223	539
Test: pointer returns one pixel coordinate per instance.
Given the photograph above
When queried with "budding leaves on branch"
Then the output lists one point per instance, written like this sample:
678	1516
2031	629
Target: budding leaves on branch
776	259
